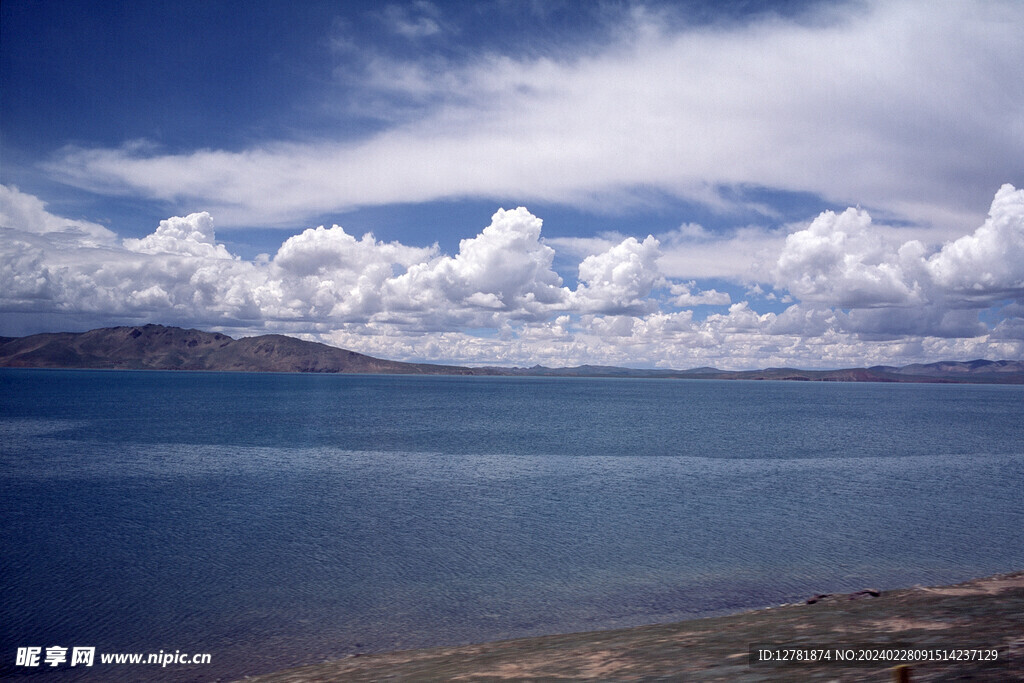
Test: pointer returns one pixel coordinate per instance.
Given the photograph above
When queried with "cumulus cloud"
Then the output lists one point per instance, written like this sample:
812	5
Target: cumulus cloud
687	295
505	271
991	260
842	261
332	251
327	273
621	279
323	275
25	277
803	321
189	236
862	296
845	102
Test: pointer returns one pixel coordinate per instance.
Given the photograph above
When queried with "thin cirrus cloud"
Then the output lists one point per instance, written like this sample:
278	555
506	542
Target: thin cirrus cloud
898	106
416	21
857	292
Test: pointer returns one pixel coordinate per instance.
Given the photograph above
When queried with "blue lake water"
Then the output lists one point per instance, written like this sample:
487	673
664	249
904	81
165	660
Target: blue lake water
277	519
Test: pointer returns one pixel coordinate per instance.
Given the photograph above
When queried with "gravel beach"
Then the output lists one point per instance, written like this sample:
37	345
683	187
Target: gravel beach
985	613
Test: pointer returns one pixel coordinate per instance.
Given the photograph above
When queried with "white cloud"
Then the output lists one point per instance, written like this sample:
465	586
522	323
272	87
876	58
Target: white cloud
803	321
331	251
327	273
744	254
25	278
322	275
505	272
991	260
863	297
684	296
902	106
843	261
621	279
28	213
839	259
189	236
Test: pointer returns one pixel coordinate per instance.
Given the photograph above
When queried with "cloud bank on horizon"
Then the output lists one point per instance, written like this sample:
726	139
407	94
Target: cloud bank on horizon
767	124
855	293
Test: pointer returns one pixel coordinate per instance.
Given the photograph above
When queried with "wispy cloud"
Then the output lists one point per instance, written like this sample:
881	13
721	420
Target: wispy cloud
898	106
418	20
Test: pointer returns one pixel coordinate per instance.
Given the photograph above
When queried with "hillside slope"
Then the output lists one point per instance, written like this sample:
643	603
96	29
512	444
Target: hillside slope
156	347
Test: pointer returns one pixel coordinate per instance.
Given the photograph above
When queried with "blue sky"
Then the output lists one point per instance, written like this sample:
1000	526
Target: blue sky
704	183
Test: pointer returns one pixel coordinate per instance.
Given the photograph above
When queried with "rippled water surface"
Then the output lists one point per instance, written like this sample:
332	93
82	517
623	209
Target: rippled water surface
275	520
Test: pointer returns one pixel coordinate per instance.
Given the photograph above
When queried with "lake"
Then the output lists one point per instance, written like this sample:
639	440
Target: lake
273	520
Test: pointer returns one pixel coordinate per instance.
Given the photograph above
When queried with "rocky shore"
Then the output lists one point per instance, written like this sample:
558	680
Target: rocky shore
984	613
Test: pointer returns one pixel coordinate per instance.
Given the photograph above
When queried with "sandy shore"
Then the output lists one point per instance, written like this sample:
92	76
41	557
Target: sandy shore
985	613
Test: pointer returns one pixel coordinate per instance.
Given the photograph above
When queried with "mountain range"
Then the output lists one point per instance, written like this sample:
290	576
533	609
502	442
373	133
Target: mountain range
158	347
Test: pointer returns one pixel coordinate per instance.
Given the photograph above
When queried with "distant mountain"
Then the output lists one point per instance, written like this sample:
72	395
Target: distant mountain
972	372
156	347
969	368
590	371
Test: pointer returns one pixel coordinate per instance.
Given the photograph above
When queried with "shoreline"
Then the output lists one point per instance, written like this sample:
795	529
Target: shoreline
158	347
981	613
